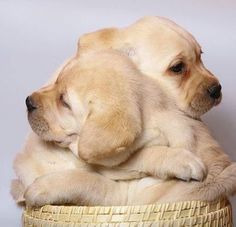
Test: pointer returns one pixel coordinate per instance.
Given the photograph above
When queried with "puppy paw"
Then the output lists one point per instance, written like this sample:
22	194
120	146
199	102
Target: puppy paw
190	167
41	192
17	190
186	166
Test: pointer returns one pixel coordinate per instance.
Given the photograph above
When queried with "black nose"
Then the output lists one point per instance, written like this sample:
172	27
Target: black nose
29	103
215	91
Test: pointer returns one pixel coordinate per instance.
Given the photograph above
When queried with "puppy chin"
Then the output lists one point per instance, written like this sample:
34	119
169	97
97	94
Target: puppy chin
38	125
197	109
197	113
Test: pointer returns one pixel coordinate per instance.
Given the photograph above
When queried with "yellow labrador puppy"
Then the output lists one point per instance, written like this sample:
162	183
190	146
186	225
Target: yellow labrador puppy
94	86
159	135
102	98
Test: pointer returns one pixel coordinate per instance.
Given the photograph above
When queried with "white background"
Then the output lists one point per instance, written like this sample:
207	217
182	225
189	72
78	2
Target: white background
37	36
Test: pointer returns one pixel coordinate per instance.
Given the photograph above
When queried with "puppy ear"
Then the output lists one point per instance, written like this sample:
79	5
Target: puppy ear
99	40
106	135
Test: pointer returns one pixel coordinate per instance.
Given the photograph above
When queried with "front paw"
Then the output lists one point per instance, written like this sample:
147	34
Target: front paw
185	165
189	166
40	192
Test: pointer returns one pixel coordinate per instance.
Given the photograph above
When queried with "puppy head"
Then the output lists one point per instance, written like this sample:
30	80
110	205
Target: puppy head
166	52
91	107
194	89
50	111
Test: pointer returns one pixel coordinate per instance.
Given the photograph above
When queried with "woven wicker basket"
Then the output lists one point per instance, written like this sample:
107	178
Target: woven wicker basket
194	213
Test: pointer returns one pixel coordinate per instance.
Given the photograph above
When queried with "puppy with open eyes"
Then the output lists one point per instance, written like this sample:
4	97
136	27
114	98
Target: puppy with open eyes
104	109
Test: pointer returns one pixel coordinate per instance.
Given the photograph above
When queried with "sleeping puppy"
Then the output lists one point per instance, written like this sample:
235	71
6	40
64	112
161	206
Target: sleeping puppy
98	85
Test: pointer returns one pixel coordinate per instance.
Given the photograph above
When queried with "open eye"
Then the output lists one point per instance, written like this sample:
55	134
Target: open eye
179	68
63	102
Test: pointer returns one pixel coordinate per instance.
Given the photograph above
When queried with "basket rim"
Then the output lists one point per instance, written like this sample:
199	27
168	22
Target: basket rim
223	215
180	204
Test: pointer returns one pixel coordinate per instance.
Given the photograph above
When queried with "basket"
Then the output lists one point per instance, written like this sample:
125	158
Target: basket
189	213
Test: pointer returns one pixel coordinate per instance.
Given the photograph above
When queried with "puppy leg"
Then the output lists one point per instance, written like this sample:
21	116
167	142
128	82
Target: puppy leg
166	162
76	187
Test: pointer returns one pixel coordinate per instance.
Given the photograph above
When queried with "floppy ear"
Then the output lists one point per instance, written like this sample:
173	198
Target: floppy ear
108	134
99	40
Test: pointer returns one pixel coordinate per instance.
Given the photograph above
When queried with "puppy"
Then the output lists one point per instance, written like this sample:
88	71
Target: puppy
55	176
78	104
204	101
171	56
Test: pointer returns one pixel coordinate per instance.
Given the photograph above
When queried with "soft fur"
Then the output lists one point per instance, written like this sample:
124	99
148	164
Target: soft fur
137	116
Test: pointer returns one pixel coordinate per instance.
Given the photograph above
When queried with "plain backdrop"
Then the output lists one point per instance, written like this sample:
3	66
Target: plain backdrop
37	36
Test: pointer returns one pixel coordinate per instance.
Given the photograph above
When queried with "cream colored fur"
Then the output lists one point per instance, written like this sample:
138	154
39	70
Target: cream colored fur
138	117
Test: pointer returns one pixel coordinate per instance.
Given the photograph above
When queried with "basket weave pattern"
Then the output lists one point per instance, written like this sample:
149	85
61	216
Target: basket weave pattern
189	213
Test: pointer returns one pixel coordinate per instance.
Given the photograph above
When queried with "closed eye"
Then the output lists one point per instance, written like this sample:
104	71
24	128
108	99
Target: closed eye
63	102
